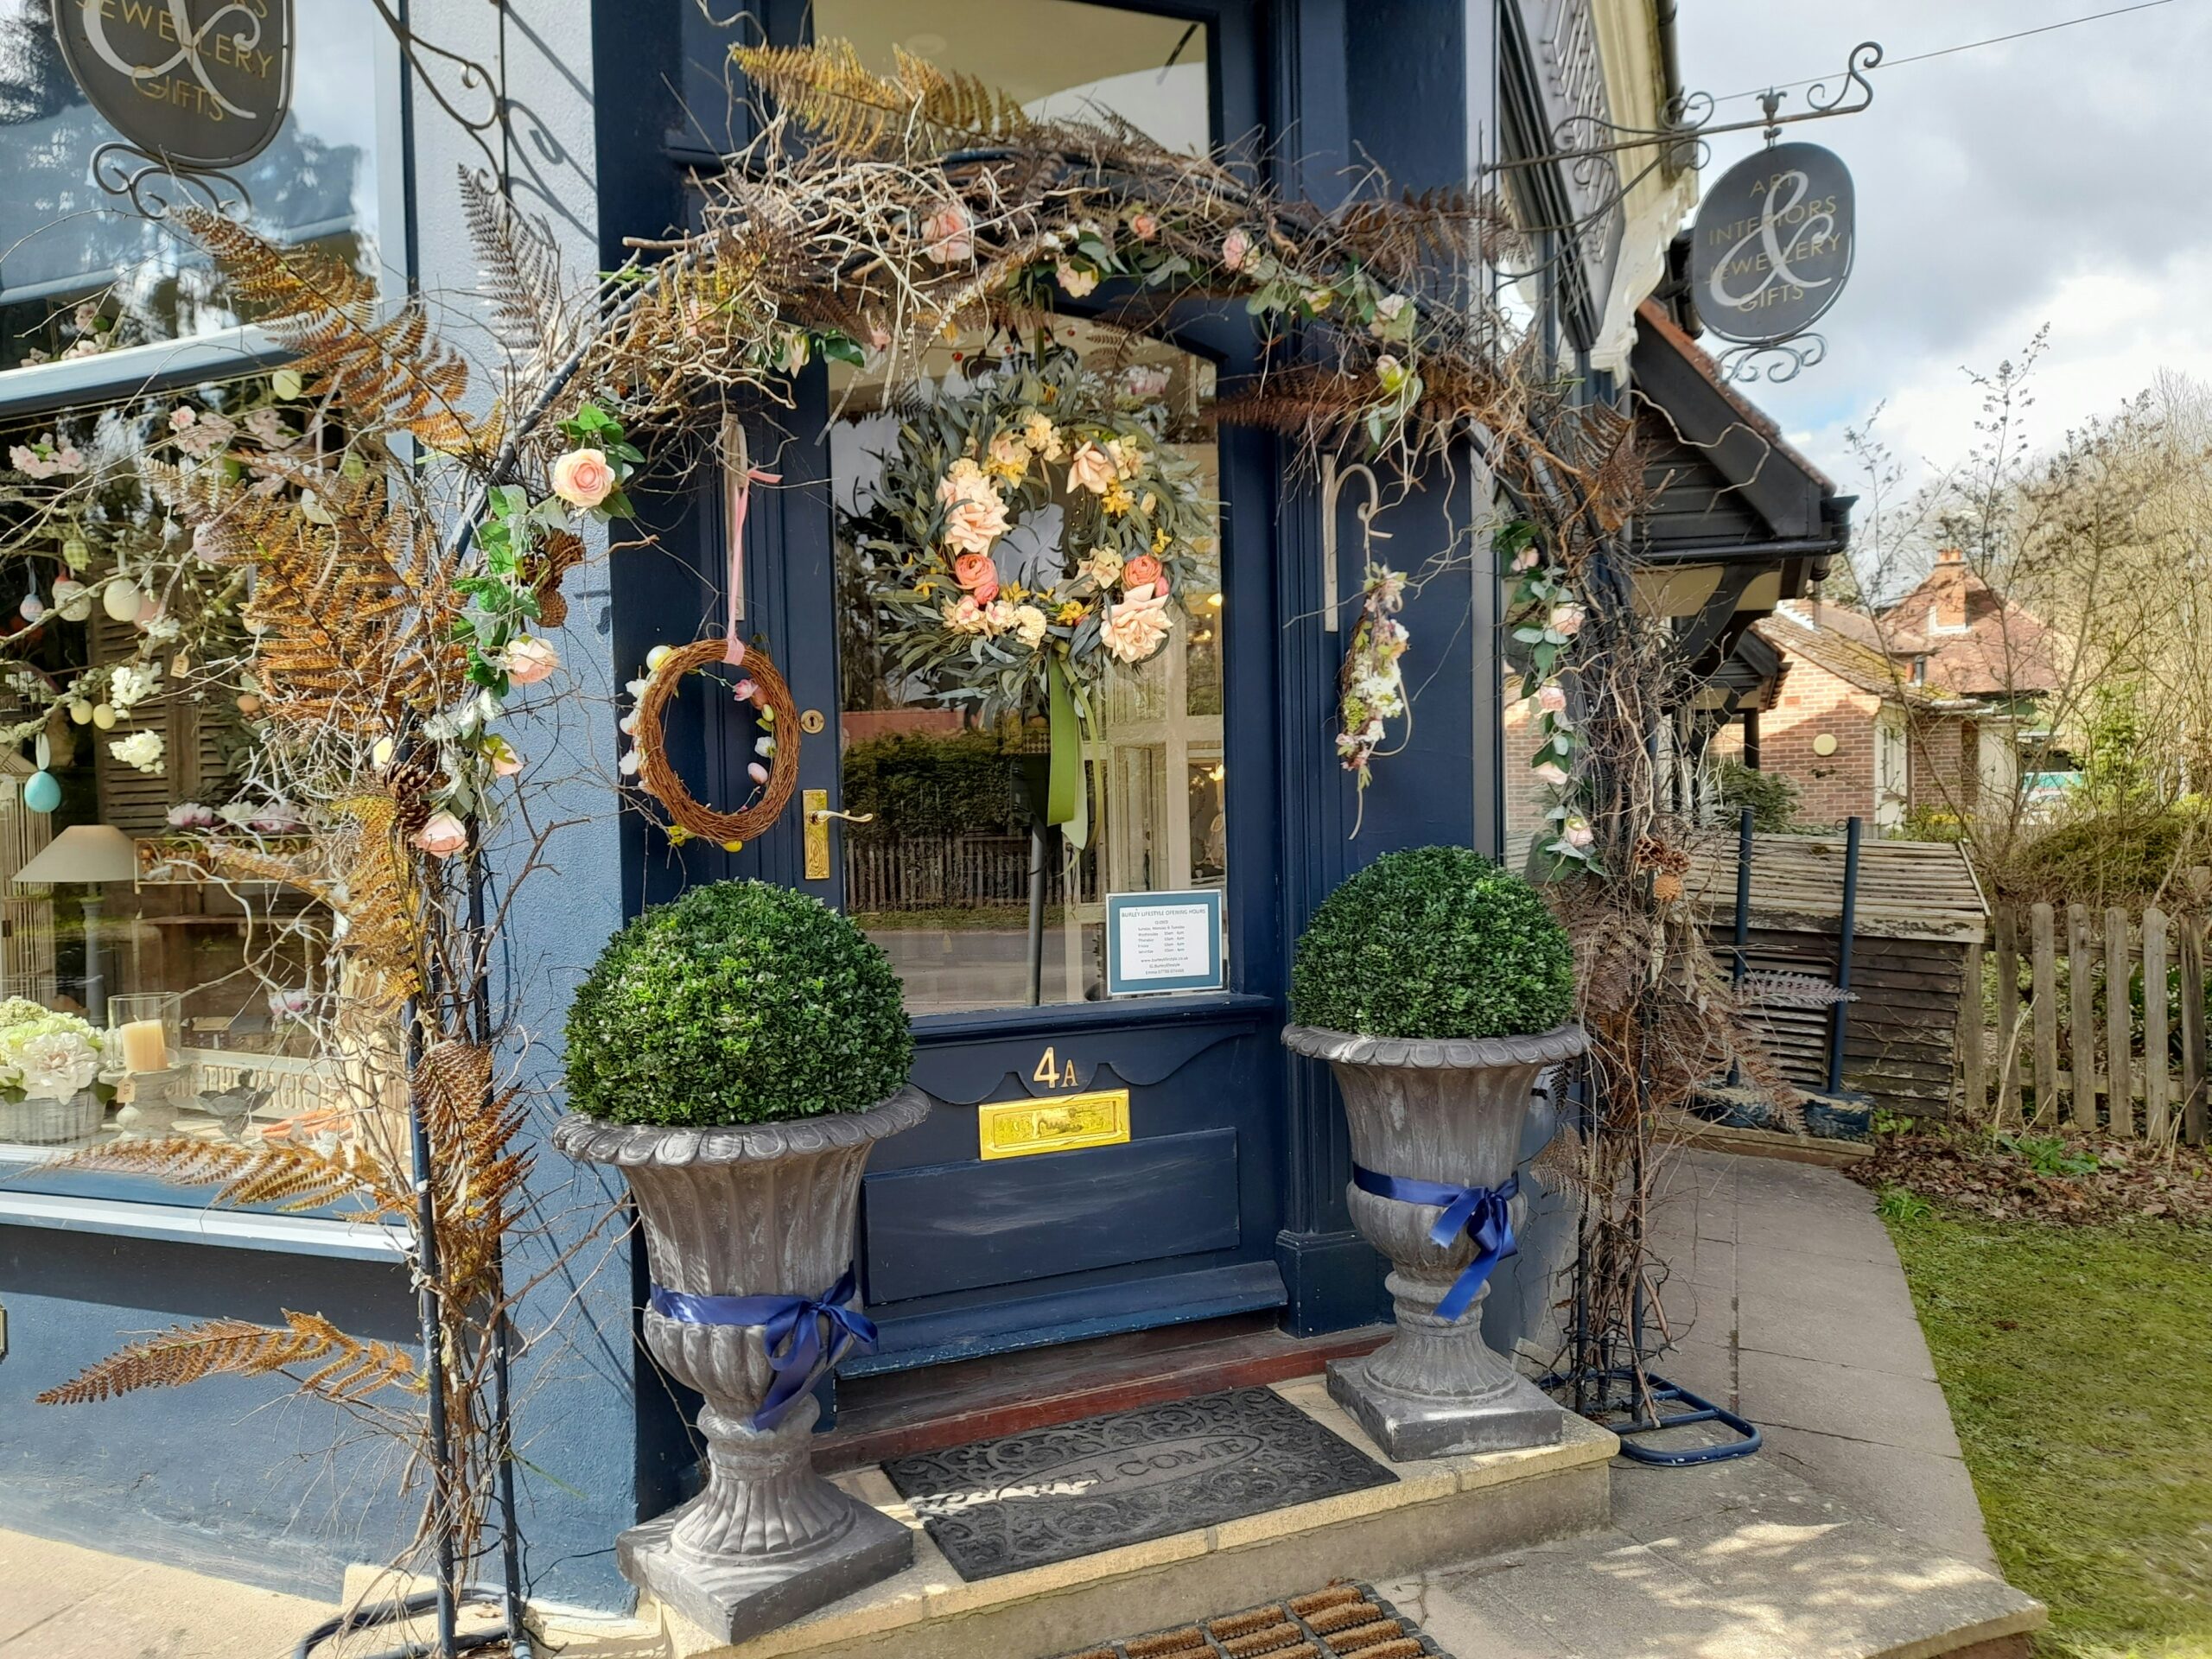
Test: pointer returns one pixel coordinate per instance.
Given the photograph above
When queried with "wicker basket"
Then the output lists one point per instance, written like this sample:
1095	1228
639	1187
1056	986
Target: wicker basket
51	1122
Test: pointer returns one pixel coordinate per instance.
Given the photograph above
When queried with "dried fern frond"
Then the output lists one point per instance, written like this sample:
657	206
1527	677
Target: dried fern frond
349	1367
289	1176
521	274
391	372
546	568
917	110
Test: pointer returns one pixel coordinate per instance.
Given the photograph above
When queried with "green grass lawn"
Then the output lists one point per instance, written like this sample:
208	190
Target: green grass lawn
2078	1365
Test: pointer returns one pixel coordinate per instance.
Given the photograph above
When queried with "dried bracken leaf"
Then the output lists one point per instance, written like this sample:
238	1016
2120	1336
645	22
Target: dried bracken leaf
348	1368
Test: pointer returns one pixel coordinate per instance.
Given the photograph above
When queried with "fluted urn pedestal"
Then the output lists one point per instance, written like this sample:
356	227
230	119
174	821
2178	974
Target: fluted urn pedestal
764	1209
1449	1113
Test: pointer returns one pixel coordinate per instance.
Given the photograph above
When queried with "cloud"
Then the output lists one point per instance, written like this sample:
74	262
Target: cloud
2054	179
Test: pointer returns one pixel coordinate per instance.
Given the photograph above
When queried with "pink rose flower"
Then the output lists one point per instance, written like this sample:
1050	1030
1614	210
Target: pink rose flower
1565	619
443	837
1236	249
1146	226
1140	573
972	525
582	478
1134	628
1526	559
1552	699
972	570
986	592
1092	469
949	236
1577	833
1550	773
529	660
506	763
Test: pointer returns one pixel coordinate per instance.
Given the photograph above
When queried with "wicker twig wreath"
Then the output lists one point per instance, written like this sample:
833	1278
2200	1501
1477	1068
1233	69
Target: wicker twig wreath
728	830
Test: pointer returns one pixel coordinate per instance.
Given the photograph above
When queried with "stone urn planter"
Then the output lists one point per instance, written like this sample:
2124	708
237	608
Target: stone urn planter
1438	988
763	1212
736	1055
1446	1113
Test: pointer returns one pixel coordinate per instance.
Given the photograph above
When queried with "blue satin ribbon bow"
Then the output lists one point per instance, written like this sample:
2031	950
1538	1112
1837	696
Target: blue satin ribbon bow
1483	1213
792	1328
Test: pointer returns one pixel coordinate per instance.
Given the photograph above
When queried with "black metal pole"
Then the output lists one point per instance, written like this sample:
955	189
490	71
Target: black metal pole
1738	968
1037	840
426	1264
1840	1015
502	1414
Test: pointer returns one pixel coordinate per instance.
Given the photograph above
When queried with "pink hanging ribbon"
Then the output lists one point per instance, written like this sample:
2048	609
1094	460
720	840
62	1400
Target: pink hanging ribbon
741	503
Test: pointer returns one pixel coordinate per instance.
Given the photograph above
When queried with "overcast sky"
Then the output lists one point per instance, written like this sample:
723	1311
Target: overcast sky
2064	178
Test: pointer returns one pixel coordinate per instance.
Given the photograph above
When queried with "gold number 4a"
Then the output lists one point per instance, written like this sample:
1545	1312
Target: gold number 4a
1050	1075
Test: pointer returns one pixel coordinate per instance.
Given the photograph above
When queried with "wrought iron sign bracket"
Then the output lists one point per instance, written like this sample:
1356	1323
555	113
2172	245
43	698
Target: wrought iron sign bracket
1588	143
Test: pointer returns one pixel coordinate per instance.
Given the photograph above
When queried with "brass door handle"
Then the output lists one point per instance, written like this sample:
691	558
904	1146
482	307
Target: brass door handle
815	803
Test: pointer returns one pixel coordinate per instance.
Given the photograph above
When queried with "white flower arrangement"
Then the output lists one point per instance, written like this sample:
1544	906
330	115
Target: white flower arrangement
144	750
46	1056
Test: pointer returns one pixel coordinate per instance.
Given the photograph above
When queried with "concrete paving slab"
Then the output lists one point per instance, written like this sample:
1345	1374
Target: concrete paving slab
1497	1632
1853	1400
1843	1588
145	1612
1826	1321
39	1578
1705	1368
1924	1494
1620	1600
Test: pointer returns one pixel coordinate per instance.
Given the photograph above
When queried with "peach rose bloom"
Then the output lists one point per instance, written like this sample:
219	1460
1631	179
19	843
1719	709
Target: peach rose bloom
1134	628
443	837
948	236
1567	620
1552	699
1236	249
528	660
1146	227
1140	573
1092	469
582	478
971	525
972	570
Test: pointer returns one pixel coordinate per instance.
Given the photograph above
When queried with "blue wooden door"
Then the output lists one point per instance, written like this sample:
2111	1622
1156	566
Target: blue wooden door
962	1254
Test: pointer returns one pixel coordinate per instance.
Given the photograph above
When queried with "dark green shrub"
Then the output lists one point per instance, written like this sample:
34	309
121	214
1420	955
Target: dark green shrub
1771	797
741	1002
1435	942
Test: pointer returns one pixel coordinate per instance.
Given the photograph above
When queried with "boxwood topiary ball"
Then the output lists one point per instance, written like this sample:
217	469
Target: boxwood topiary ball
741	1002
1434	942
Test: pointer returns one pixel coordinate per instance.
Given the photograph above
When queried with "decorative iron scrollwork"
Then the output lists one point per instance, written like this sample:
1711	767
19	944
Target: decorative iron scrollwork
156	187
1775	362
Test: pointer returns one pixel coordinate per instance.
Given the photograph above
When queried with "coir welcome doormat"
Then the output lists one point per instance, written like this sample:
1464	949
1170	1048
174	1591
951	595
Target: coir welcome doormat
1346	1621
1051	1493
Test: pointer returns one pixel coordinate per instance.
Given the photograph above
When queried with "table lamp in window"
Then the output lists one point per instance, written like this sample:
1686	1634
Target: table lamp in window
89	855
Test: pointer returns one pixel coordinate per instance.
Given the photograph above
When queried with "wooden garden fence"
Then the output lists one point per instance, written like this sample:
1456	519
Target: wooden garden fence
2098	1022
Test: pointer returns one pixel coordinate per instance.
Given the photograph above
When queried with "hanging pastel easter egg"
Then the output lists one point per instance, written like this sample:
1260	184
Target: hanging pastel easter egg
75	554
73	598
122	600
250	705
41	792
33	607
81	712
380	753
657	656
104	716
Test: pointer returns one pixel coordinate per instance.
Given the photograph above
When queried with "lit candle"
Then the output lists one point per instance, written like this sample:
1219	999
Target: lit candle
145	1047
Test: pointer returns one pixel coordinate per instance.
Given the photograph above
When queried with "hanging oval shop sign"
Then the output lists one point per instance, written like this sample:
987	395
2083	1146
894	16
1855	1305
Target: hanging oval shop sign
1771	249
198	83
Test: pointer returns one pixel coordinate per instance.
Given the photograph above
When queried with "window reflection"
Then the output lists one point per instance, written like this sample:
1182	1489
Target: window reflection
956	868
1058	58
80	276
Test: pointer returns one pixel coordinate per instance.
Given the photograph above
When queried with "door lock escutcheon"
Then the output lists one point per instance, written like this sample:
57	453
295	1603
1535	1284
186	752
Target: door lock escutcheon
814	804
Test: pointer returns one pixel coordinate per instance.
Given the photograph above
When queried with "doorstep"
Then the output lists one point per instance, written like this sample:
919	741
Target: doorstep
896	1414
1441	1510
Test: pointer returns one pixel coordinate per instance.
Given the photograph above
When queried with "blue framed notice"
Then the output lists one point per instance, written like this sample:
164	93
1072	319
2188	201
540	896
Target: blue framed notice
1159	942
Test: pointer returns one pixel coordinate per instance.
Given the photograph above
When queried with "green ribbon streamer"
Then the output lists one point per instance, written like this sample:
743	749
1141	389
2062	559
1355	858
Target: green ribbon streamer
1063	789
